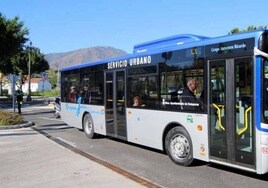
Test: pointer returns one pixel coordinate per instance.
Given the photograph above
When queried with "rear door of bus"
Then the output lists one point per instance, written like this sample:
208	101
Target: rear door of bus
231	111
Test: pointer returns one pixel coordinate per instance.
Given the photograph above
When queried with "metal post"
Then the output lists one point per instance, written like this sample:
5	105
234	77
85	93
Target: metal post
29	75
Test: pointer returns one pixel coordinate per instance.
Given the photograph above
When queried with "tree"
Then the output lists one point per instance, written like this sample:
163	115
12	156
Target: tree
20	62
12	39
14	56
38	62
249	28
52	76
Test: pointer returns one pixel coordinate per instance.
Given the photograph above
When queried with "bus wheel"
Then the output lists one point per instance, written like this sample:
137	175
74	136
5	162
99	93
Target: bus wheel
178	145
88	126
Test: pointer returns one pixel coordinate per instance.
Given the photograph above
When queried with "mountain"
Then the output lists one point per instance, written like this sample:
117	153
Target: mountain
61	60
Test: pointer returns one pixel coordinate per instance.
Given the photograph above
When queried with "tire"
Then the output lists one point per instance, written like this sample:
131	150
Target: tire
179	147
88	126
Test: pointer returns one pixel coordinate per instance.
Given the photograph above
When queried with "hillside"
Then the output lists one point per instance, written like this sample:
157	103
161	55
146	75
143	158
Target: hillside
61	60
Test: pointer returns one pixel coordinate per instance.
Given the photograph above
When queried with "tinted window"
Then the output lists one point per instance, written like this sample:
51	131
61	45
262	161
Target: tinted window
91	87
145	88
86	84
178	71
70	84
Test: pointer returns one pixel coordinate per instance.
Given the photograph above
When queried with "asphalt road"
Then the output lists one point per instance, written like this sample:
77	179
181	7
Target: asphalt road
144	162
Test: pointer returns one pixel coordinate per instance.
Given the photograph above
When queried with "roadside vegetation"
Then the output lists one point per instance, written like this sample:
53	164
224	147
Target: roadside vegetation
9	118
49	93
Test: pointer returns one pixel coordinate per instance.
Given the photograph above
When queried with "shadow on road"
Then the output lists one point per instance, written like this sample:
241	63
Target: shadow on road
38	113
263	177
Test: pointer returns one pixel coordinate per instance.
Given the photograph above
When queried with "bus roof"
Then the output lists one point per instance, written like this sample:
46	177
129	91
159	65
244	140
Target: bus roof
167	42
176	42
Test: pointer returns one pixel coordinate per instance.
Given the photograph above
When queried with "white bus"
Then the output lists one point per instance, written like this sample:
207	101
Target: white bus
225	121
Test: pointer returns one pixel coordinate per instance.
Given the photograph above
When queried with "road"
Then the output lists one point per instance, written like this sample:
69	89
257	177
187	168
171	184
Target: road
149	164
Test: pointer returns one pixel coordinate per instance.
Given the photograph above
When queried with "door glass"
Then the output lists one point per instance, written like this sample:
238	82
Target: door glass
243	112
120	103
218	145
231	111
265	89
109	104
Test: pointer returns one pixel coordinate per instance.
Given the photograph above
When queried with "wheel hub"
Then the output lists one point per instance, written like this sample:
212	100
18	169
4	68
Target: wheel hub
88	126
179	146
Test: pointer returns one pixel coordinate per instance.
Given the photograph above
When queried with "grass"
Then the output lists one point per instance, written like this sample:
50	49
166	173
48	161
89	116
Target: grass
9	118
50	93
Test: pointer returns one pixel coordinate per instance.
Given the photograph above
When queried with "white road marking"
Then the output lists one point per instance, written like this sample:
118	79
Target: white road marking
50	118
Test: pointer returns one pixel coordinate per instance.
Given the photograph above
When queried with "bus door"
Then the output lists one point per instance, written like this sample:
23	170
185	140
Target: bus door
115	111
231	111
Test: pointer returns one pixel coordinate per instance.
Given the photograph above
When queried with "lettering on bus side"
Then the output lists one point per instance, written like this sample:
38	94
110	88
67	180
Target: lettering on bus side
129	62
230	47
117	64
140	61
226	48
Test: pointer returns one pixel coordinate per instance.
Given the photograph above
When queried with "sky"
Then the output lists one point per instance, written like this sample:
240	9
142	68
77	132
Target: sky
67	25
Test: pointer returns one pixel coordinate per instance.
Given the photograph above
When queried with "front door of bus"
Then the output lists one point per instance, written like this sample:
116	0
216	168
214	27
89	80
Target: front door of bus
231	110
115	104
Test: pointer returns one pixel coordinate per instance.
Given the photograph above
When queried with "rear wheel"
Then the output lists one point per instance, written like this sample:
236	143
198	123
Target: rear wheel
178	145
88	126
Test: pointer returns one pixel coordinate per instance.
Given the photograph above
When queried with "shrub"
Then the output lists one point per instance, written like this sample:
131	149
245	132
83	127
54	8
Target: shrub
49	93
52	93
9	118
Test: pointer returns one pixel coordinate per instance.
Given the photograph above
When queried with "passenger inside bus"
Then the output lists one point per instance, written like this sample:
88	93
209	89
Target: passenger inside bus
86	95
137	102
72	95
188	97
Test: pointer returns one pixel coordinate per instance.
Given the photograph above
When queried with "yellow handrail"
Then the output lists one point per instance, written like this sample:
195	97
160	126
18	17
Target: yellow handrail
219	115
241	131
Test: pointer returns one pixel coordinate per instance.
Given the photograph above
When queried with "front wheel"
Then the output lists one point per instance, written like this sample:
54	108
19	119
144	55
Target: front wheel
88	126
178	145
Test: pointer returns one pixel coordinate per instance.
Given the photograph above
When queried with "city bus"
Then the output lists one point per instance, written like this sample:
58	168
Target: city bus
226	123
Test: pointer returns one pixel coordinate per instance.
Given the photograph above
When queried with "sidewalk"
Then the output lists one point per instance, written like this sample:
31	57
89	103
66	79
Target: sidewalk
29	159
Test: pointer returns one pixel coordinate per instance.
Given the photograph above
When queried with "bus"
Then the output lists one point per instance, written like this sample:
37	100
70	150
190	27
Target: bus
226	123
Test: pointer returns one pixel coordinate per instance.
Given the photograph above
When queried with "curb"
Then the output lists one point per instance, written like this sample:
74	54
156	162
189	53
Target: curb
23	125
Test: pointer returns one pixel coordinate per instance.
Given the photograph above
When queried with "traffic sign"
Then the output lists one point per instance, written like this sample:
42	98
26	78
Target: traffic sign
12	78
44	75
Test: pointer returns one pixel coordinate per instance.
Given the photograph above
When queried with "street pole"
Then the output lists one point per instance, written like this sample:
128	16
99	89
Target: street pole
58	79
13	92
29	75
1	77
12	78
